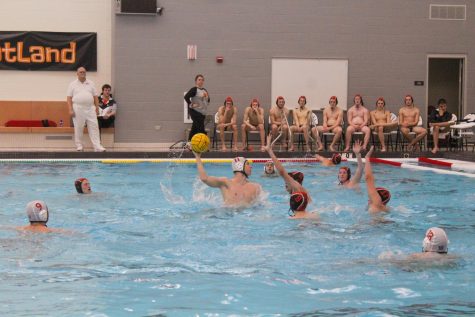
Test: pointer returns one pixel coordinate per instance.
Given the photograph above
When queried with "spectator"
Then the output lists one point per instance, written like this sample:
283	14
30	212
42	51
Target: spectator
107	108
301	122
332	121
381	121
278	121
227	114
253	120
408	121
358	119
83	107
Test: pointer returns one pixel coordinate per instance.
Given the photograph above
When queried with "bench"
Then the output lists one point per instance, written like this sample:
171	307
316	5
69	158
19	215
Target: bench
39	137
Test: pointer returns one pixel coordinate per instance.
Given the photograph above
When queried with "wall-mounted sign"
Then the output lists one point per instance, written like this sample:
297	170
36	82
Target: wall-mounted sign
52	51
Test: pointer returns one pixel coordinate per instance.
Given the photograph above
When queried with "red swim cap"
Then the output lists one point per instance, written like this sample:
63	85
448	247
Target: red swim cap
278	98
298	201
297	176
384	194
228	99
336	158
255	100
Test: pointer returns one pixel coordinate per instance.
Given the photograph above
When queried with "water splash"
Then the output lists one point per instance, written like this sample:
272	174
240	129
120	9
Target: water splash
403	292
175	153
338	290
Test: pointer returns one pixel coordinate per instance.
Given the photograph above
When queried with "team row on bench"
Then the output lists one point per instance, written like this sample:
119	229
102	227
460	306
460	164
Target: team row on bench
303	121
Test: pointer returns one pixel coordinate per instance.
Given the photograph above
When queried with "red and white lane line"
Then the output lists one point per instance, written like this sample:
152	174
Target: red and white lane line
406	163
290	160
452	164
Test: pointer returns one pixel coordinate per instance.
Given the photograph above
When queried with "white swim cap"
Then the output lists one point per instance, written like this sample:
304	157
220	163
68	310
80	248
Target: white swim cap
238	165
435	241
37	211
269	163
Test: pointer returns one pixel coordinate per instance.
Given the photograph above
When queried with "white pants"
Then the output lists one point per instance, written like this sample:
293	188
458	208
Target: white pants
83	114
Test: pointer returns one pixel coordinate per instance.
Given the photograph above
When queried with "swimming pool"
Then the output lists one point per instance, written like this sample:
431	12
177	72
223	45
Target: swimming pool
152	240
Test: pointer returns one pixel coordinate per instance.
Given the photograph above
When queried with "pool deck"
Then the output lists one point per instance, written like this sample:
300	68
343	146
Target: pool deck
164	153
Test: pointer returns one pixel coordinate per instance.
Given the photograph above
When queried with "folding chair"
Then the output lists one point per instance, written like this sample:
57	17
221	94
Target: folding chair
300	135
463	132
404	143
216	133
313	125
388	136
328	137
208	120
445	136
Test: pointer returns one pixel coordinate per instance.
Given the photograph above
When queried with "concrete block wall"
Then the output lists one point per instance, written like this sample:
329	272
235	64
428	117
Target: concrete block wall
386	42
56	16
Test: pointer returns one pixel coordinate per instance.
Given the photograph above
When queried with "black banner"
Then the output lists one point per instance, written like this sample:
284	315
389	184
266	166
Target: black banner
55	51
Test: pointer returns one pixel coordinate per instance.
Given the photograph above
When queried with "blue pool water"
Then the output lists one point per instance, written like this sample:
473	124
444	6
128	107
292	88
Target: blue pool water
140	249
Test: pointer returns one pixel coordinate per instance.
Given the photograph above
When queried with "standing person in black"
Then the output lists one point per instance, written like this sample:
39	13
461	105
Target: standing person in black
197	99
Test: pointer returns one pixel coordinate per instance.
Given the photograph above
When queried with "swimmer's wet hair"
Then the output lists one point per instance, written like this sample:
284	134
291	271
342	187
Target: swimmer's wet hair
348	171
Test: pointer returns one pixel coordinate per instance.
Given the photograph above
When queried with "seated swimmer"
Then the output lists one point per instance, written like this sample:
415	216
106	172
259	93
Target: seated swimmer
334	160
38	215
82	186
269	169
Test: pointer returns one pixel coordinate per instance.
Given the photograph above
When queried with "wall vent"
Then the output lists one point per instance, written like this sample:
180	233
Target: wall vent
143	7
448	12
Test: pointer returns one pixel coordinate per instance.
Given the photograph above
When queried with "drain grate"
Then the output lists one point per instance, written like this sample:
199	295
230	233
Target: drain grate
58	137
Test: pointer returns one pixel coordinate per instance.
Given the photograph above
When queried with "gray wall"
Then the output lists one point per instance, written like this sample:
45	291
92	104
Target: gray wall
385	41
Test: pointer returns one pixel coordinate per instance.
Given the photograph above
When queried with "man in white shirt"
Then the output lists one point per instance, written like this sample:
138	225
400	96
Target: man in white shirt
83	107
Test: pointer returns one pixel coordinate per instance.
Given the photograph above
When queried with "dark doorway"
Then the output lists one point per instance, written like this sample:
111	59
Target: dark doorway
446	76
